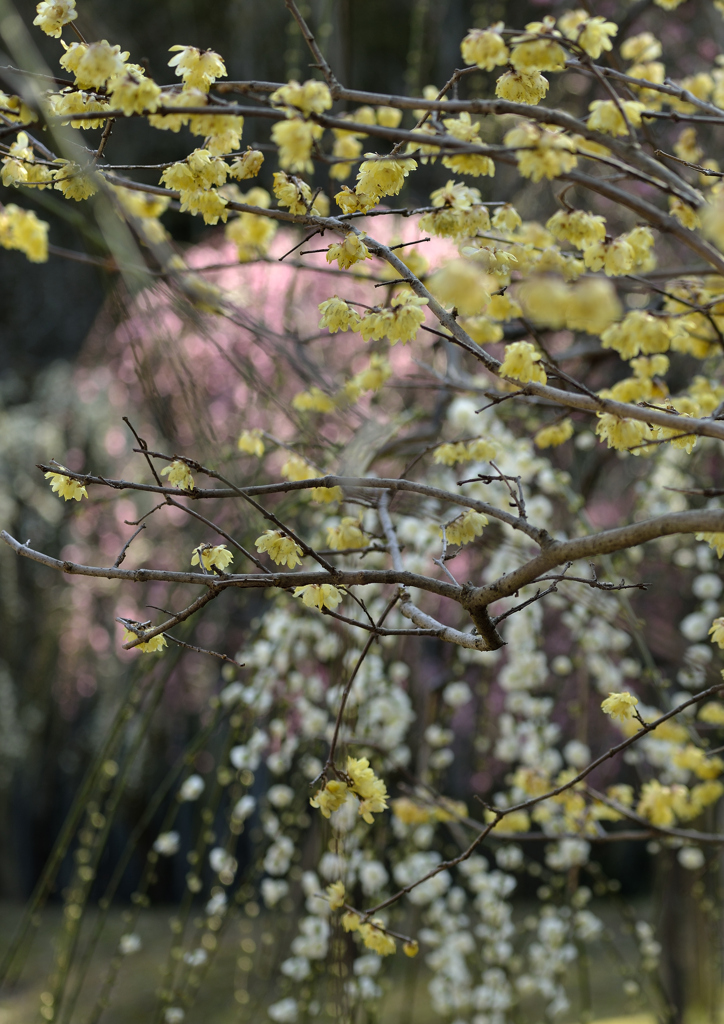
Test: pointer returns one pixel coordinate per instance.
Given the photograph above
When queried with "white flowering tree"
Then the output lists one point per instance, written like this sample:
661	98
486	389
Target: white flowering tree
381	505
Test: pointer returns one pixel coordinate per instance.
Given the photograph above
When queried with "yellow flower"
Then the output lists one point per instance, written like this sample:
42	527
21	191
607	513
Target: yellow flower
248	165
296	468
656	803
375	938
714	540
252	234
521	363
280	548
347	535
717	632
319	595
349	251
250	441
337	315
350	921
577	227
538	55
292	193
295	139
65	487
593	35
371	379
371	790
156	643
607	116
135	95
686	215
377	178
388	117
712	713
70	180
336	895
557	433
541	153
614	258
53	14
411	948
213	557
313	400
620	705
22	230
312	97
465	528
485	48
199	69
330	799
179	475
694	759
522	87
93	64
450	454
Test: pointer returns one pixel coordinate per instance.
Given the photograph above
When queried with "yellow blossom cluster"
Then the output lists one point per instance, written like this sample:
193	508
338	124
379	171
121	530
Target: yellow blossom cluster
372	933
179	475
65	487
347	534
313	400
541	152
372	378
281	548
212	557
452	453
522	362
458	212
196	179
155	644
251	442
465	528
22	230
554	435
251	233
319	595
361	781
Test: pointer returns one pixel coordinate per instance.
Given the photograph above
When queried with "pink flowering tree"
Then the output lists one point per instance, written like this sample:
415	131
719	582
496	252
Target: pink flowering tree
415	513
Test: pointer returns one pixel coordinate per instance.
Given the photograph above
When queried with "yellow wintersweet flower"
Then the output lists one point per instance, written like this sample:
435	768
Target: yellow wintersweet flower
199	69
280	548
376	938
347	535
371	379
717	632
350	921
410	813
296	468
337	315
330	799
522	87
295	139
450	454
222	131
135	94
312	97
694	759
248	165
592	34
336	895
619	705
179	475
657	803
577	227
251	233
65	487
714	540
607	116
481	450
557	433
465	129
541	153
351	250
319	595
93	64
485	47
217	556
389	117
53	14
371	790
522	363
411	948
22	230
377	178
73	183
250	441
156	643
292	193
465	528
712	713
313	400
